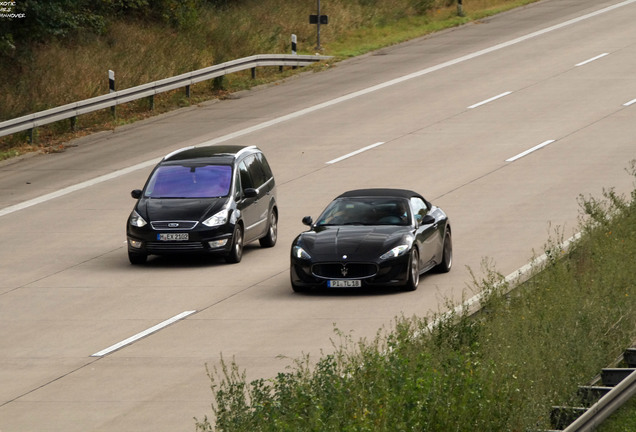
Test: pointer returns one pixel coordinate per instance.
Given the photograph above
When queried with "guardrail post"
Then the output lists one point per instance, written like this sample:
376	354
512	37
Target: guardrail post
151	102
460	10
187	88
32	135
111	89
253	72
294	39
74	123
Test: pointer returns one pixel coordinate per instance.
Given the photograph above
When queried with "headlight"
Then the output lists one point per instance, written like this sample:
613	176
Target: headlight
300	253
395	252
136	220
218	219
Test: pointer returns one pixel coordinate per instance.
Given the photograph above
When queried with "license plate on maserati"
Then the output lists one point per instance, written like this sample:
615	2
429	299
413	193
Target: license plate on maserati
173	236
344	284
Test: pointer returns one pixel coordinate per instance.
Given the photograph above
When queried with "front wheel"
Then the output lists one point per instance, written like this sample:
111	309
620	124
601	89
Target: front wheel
414	271
136	258
236	252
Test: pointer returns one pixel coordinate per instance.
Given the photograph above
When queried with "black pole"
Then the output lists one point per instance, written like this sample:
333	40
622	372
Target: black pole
318	29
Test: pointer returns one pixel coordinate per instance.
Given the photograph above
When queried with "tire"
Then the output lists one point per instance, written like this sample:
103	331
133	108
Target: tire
414	271
299	289
272	231
137	259
447	254
236	252
296	288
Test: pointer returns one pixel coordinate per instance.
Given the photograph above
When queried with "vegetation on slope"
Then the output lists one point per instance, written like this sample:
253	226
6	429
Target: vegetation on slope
502	370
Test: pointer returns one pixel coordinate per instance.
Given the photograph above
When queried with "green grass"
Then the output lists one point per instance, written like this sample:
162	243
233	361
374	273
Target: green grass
141	52
501	370
623	420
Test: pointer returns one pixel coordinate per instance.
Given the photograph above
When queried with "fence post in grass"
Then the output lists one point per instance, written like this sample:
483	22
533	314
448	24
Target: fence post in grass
111	89
460	10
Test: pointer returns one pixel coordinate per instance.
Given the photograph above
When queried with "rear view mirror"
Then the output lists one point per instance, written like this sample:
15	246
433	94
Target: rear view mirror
136	193
307	220
427	220
250	193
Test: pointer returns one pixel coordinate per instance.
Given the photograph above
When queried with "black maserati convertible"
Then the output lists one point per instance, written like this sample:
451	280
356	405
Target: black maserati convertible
372	237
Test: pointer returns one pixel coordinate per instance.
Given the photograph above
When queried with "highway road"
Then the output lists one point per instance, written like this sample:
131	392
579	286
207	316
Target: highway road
503	123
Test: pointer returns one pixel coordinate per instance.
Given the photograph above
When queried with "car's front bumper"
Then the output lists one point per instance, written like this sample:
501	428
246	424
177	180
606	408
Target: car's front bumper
147	242
393	272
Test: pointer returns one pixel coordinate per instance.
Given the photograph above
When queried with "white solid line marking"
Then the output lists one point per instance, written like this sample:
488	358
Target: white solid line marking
489	100
143	334
631	102
79	186
354	153
535	148
592	59
326	104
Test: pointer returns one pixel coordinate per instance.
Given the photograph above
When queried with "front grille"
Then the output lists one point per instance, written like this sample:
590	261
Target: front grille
173	225
158	247
344	270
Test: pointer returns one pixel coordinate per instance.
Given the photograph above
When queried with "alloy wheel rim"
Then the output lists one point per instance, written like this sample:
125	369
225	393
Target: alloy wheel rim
273	228
239	243
415	273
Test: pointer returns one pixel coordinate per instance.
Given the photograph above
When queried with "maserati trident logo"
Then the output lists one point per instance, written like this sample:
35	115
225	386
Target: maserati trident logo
344	270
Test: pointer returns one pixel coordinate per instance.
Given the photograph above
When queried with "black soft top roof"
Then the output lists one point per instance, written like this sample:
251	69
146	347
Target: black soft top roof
383	192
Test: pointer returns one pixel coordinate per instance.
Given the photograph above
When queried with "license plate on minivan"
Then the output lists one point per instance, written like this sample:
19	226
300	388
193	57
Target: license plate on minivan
173	236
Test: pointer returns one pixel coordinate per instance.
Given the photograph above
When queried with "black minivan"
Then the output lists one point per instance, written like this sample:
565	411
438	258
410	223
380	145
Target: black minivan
209	199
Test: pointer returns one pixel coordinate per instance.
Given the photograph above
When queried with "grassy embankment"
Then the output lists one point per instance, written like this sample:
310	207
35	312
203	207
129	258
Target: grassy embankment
58	73
500	371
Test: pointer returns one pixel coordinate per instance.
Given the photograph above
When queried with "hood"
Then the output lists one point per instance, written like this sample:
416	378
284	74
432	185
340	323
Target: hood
357	242
166	209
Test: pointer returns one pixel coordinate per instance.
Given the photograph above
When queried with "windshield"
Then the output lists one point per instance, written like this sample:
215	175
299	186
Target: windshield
366	211
179	181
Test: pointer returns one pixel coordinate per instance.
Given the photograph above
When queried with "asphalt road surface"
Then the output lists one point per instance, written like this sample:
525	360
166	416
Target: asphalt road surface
503	123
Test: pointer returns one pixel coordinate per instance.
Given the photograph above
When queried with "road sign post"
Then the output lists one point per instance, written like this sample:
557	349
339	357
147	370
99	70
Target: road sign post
318	20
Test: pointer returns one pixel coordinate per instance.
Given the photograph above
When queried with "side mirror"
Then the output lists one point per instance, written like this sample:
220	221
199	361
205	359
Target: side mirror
427	220
250	193
136	193
307	220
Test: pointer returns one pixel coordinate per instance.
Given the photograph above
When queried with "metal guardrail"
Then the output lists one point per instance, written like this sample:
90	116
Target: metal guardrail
618	386
72	110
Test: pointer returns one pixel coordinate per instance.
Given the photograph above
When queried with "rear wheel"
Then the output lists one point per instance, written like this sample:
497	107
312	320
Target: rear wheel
447	254
272	232
414	271
236	252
